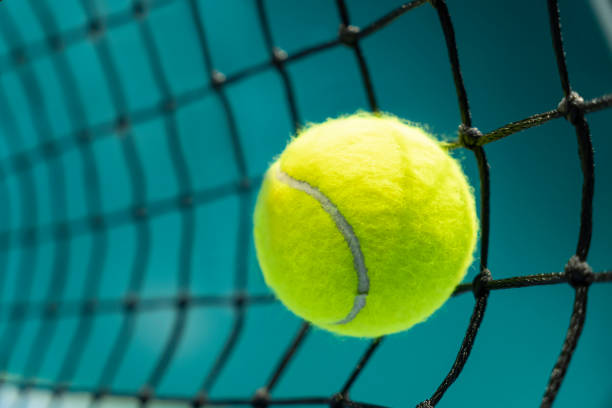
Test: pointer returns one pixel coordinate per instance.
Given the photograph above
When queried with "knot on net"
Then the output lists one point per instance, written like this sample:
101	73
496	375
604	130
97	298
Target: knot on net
578	272
337	401
479	284
425	404
468	136
59	389
199	400
571	107
217	79
261	399
139	8
279	56
130	302
145	394
348	35
95	28
99	394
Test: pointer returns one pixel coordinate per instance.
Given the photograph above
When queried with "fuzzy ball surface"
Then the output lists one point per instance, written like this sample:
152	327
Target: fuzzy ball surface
364	225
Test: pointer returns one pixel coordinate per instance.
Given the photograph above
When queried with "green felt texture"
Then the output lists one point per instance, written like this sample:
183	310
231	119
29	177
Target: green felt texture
408	202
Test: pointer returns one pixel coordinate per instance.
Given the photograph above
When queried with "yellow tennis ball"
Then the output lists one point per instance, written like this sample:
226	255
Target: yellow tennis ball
364	225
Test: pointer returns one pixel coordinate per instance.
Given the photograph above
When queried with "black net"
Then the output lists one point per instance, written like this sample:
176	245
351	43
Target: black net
97	223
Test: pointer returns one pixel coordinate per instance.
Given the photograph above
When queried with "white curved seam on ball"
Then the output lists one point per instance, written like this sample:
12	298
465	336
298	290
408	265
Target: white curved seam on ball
359	303
363	285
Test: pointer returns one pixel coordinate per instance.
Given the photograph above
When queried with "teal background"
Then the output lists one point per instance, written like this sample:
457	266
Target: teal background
510	73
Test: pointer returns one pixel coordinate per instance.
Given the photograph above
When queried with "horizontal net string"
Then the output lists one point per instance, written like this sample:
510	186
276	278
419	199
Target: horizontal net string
69	308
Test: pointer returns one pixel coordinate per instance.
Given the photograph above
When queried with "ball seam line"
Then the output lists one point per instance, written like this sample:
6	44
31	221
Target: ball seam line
363	285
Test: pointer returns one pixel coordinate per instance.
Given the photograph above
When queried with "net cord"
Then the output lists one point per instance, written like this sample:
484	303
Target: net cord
99	224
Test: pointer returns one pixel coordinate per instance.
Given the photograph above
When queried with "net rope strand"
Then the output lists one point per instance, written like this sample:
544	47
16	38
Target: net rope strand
25	159
217	80
479	290
66	309
61	253
83	332
141	211
578	271
48	327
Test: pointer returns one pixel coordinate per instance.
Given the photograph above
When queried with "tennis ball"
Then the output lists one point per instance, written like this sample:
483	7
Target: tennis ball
364	225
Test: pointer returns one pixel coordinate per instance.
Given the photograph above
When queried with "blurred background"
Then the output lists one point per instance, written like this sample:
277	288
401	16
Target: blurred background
129	178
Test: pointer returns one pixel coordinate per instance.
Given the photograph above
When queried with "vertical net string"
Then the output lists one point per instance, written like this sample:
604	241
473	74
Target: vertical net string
7	210
578	271
286	359
480	291
26	261
136	175
57	194
278	58
188	219
77	116
349	36
574	111
140	211
359	368
453	55
218	81
569	345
